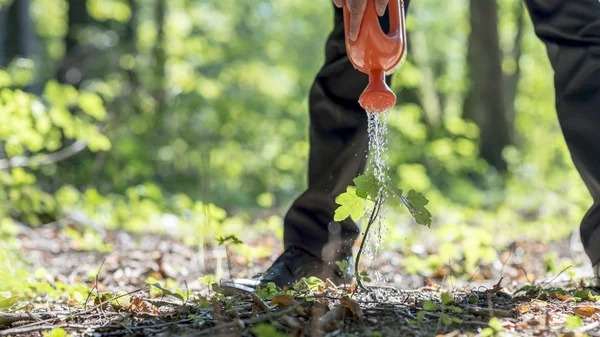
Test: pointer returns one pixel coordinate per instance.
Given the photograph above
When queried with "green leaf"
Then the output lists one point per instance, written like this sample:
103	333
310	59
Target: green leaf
573	322
446	299
487	332
168	292
92	105
473	299
232	239
367	186
122	302
78	297
429	306
266	330
207	279
421	315
350	205
343	265
454	309
457	320
446	319
416	202
56	332
584	295
495	324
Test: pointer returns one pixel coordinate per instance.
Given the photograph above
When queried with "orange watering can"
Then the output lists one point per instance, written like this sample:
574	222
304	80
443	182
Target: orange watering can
376	53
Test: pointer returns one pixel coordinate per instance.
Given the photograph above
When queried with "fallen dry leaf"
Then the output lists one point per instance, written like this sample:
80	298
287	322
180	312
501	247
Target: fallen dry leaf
522	308
283	301
539	304
560	297
584	311
138	305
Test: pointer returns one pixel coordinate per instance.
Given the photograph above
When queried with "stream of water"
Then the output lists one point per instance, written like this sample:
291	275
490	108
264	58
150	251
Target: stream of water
377	163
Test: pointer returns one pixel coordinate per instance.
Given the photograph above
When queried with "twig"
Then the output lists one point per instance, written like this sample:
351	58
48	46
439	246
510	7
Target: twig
545	283
45	159
10	331
30	329
10	318
589	327
263	318
96	286
438	316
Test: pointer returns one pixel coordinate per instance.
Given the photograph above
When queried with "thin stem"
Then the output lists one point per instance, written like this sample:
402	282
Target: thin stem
372	218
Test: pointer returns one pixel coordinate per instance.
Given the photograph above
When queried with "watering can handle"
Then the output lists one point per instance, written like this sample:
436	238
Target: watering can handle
371	18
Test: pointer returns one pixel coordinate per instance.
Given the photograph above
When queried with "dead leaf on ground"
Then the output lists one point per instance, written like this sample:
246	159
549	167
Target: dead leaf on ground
585	311
522	308
138	305
283	301
560	297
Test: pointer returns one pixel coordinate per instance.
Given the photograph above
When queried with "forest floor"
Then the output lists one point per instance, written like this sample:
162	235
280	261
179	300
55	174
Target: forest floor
518	295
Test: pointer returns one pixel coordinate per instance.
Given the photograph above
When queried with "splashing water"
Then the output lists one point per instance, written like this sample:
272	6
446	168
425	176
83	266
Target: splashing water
377	163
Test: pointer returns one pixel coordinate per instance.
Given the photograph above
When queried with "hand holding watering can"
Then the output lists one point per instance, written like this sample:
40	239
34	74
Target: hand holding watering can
372	51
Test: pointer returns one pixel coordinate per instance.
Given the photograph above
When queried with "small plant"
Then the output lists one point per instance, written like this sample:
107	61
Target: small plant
446	307
228	241
370	193
343	265
268	291
363	276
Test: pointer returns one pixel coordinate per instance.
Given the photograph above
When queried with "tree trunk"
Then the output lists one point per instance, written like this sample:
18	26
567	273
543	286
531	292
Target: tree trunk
160	58
4	36
485	104
511	81
13	32
78	17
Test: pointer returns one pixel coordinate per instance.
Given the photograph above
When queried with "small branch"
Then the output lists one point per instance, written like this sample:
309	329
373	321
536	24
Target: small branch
10	318
72	315
255	320
45	159
589	327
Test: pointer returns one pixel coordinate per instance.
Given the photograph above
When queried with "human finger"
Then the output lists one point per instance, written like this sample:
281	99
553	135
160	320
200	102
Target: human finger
381	5
357	10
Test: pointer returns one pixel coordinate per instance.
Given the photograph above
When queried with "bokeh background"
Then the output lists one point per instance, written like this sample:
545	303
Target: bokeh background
189	118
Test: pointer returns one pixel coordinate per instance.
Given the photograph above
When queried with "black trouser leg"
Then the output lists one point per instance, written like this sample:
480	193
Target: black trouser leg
338	149
571	31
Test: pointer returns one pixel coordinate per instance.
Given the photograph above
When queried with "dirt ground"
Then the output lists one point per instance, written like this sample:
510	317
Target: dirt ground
514	296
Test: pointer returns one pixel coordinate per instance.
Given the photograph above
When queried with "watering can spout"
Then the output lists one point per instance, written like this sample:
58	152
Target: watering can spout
377	97
376	53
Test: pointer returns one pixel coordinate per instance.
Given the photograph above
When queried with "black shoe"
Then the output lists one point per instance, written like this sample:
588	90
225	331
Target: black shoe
291	266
